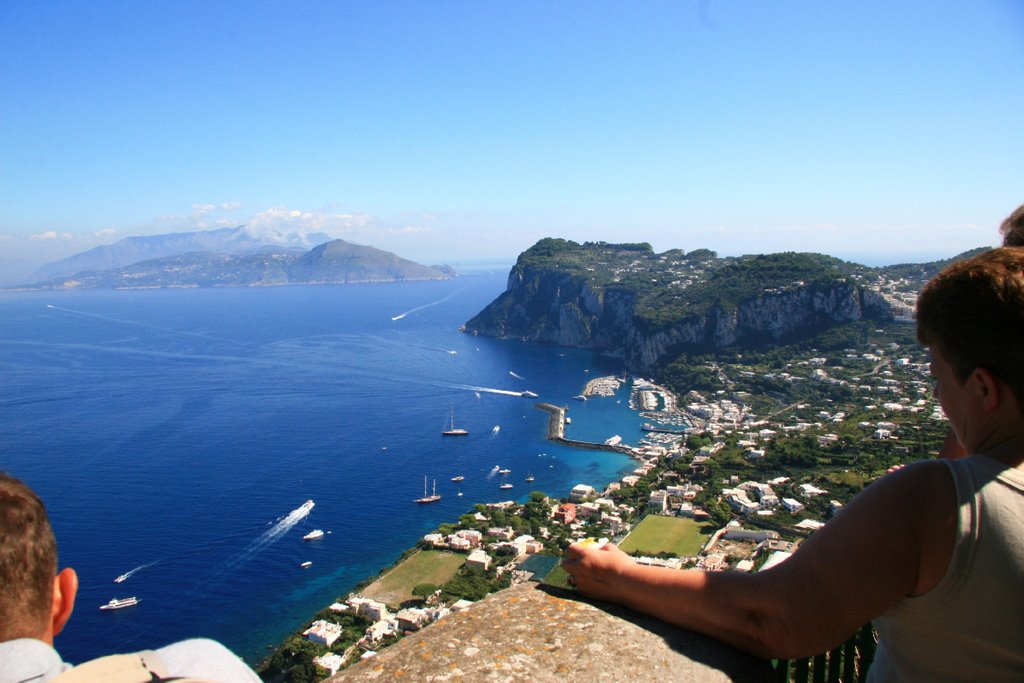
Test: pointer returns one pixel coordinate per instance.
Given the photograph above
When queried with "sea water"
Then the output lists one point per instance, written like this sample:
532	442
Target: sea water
173	433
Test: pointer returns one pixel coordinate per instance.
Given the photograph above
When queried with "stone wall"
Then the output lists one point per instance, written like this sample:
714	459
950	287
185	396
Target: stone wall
534	633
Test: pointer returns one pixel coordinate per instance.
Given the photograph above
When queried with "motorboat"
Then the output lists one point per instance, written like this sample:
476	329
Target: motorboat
313	535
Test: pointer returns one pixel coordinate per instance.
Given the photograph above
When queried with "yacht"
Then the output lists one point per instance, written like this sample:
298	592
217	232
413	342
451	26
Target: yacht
433	498
452	429
314	534
459	478
530	477
306	565
120	603
505	471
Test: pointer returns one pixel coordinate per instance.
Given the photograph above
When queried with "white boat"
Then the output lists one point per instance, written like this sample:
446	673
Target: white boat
504	484
306	565
121	603
314	534
495	429
121	578
505	471
433	498
452	429
307	506
459	493
459	478
613	441
530	477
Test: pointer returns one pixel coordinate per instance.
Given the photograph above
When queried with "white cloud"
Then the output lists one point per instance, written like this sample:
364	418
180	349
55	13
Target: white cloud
281	219
108	232
51	235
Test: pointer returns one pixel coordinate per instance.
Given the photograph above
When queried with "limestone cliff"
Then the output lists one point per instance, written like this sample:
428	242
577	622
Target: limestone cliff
648	308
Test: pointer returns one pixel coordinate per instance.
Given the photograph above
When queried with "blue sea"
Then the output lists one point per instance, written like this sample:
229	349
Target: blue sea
172	433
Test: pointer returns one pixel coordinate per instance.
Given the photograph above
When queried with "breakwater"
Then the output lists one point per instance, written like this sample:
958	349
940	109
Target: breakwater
556	431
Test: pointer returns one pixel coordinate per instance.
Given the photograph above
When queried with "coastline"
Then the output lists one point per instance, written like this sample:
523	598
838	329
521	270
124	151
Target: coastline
555	433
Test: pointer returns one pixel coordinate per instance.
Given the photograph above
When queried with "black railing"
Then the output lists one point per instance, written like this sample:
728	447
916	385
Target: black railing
848	663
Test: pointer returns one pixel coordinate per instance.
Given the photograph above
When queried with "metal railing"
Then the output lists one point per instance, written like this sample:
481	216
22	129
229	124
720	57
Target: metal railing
848	663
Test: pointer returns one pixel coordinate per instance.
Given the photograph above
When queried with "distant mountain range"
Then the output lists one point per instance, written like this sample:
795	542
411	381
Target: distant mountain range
229	257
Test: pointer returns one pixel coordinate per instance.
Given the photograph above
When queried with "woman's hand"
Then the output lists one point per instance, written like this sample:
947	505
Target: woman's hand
598	571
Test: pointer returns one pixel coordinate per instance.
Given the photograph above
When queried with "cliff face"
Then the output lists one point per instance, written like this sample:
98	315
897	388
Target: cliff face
551	305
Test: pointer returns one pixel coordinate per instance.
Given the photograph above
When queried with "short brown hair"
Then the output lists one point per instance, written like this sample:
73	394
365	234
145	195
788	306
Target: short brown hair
973	311
1012	228
28	561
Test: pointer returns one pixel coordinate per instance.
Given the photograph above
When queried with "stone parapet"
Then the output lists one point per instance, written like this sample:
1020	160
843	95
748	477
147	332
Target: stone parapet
536	633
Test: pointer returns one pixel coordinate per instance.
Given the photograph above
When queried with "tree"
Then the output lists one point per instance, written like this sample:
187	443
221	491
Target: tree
424	590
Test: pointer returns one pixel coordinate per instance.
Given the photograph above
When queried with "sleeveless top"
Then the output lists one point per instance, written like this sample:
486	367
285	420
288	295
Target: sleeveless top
970	627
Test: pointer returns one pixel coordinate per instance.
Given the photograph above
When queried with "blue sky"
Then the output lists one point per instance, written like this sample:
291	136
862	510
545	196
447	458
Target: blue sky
876	131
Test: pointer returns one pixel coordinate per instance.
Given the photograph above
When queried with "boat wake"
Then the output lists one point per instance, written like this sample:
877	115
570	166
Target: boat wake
487	390
280	528
127	575
420	308
493	472
516	376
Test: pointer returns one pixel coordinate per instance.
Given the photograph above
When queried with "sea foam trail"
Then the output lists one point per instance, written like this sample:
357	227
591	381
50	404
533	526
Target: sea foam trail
148	326
127	575
487	390
420	308
516	376
280	528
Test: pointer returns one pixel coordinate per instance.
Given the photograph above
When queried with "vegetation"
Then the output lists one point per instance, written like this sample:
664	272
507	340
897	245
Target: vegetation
426	566
658	534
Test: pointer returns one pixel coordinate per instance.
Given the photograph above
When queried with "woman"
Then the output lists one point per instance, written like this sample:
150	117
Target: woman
933	552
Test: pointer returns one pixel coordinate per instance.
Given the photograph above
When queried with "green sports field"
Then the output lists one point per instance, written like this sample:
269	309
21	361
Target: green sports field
657	533
425	566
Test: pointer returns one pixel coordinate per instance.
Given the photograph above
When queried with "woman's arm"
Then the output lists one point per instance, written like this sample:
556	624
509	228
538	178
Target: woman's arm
893	540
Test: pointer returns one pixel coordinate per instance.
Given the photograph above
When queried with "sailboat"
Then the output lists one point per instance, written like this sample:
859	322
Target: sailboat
452	429
504	483
530	477
433	498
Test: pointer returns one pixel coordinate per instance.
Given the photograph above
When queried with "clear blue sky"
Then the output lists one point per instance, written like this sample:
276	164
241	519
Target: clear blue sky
873	130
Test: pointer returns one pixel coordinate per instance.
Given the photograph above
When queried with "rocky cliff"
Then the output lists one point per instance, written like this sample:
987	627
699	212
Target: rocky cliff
649	308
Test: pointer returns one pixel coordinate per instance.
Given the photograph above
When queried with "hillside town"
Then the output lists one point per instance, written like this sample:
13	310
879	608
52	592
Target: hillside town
749	483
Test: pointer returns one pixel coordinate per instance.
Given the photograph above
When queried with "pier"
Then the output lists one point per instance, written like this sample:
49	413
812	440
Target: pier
556	431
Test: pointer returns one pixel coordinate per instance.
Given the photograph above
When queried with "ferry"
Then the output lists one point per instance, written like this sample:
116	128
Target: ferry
313	535
121	603
431	498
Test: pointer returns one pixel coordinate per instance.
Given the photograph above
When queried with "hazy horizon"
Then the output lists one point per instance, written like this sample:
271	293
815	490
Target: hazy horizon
875	132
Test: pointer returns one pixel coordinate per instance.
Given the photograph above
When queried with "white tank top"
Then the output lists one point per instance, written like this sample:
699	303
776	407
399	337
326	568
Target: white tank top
970	627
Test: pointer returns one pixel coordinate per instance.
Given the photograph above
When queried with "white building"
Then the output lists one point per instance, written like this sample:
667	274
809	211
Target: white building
581	492
321	631
478	559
